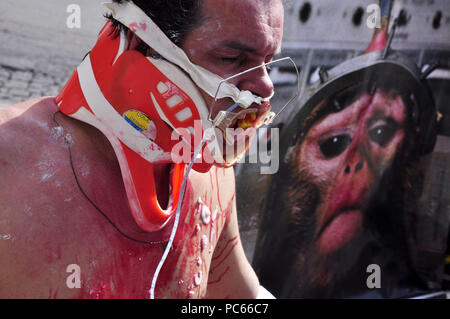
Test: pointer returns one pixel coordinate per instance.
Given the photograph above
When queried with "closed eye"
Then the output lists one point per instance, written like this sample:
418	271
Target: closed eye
229	60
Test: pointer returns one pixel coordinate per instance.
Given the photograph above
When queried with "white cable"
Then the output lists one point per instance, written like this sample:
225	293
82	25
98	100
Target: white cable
177	214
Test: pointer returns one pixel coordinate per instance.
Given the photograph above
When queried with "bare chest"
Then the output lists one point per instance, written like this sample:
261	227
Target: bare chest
62	246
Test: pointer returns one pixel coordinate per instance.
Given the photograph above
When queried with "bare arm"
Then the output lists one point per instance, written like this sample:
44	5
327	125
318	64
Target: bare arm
231	275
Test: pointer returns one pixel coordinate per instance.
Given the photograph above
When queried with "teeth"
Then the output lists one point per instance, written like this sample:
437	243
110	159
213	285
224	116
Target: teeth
242	116
247	121
244	124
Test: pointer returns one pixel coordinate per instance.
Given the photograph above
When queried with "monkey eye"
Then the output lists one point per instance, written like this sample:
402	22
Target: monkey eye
335	145
383	133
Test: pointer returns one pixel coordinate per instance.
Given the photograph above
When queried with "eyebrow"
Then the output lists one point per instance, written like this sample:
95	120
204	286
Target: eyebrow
236	45
380	115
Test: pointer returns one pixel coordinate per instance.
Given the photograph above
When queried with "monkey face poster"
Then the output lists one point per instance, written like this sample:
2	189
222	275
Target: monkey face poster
342	218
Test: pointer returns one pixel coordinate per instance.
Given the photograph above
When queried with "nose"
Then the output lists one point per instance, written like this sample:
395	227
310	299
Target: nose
355	167
258	82
357	157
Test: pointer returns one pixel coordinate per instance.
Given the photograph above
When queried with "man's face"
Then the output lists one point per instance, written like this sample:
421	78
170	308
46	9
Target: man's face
235	35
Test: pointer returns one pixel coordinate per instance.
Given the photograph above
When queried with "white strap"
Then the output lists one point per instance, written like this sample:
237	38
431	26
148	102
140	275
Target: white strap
135	19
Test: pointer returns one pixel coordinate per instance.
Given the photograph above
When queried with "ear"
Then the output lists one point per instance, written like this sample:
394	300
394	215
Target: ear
132	40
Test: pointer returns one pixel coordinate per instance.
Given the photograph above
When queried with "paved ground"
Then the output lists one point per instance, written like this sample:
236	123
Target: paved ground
38	51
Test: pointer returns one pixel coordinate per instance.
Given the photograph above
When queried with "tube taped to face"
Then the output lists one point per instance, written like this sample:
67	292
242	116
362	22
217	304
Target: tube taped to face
235	126
148	108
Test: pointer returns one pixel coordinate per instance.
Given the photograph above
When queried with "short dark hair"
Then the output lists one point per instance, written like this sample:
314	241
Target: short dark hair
174	17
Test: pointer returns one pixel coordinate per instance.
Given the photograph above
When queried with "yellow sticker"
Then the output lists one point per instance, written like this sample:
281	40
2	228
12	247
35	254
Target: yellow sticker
137	119
141	122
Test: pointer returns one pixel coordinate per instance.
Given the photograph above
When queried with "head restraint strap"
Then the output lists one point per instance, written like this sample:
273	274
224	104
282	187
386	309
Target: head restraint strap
137	21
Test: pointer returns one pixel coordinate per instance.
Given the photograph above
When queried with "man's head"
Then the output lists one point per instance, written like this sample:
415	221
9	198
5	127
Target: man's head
234	36
225	37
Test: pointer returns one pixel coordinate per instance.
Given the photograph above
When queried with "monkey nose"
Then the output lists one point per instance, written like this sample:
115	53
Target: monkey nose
358	167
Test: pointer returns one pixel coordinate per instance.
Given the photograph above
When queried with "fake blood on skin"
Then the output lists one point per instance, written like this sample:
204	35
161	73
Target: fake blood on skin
115	267
188	262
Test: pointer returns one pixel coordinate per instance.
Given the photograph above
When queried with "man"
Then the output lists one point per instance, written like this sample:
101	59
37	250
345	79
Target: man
67	205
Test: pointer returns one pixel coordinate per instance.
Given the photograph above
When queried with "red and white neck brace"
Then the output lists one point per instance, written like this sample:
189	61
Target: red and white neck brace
129	99
138	102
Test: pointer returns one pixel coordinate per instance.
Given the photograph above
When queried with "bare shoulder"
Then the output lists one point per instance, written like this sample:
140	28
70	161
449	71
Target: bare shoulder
24	129
39	108
23	126
24	138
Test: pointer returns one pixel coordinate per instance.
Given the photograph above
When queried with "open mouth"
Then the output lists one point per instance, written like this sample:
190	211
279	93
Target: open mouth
238	129
247	119
251	117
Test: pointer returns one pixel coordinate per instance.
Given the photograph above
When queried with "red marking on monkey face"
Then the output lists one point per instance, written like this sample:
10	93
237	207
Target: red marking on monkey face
347	152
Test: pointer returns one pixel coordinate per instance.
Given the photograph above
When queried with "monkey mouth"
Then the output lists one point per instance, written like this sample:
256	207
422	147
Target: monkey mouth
339	228
336	214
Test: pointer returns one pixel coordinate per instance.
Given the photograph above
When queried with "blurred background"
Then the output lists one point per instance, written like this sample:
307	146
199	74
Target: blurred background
39	51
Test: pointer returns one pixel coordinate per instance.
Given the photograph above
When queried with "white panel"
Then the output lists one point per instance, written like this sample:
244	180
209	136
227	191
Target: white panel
184	114
162	88
173	100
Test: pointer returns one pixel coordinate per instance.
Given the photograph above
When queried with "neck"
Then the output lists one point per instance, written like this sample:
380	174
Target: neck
90	147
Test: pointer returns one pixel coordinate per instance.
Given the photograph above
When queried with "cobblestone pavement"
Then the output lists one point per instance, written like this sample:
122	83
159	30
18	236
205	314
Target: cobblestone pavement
18	85
38	52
